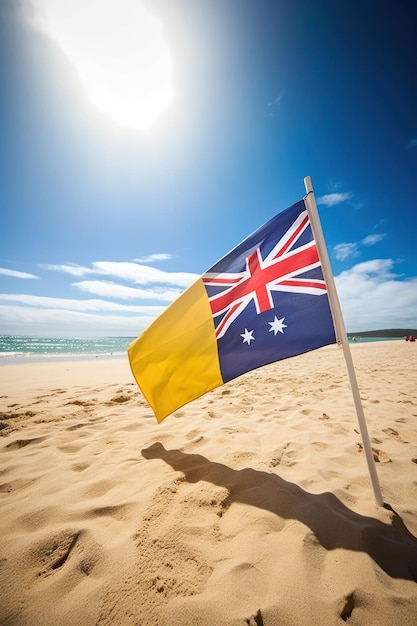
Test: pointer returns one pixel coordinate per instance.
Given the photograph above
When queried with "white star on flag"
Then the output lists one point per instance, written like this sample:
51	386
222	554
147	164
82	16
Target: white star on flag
277	325
248	336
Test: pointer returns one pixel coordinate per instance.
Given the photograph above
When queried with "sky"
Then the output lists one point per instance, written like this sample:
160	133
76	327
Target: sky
141	141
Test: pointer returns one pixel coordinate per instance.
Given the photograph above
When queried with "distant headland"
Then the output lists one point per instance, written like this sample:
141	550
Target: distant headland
387	332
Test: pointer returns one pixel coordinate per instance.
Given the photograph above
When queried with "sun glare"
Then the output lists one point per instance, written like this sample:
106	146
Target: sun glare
119	53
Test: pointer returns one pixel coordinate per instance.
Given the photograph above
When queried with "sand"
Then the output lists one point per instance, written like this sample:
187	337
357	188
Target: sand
250	506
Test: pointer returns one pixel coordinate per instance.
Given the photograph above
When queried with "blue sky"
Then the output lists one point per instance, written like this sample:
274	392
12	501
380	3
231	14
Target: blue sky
127	171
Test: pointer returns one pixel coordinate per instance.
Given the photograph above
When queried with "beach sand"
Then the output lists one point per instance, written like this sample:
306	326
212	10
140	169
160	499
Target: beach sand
250	506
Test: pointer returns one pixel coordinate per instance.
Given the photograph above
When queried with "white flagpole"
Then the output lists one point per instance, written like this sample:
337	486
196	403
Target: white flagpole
341	333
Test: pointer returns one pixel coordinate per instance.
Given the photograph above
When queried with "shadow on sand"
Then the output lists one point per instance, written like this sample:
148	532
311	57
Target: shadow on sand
391	546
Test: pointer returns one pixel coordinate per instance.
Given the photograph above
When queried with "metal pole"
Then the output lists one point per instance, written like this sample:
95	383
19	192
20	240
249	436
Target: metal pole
341	334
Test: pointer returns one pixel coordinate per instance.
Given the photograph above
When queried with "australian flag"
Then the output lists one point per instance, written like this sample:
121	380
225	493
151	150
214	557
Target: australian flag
268	296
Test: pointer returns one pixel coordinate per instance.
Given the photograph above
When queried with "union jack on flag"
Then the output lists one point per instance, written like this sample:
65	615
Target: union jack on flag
268	296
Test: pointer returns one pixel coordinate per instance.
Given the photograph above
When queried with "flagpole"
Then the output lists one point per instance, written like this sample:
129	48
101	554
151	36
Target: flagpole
341	334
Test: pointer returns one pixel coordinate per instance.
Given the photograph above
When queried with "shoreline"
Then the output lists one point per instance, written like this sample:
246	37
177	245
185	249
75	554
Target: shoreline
33	357
57	358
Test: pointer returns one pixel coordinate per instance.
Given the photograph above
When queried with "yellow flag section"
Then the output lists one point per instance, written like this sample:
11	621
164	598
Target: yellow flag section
175	360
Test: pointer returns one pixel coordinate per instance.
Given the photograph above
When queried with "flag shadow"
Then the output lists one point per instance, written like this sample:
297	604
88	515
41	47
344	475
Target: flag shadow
334	525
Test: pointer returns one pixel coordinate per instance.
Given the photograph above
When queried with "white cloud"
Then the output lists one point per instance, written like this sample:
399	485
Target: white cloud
143	274
273	104
74	270
343	251
332	199
113	290
131	272
372	297
16	320
371	240
275	101
16	274
80	305
97	316
161	256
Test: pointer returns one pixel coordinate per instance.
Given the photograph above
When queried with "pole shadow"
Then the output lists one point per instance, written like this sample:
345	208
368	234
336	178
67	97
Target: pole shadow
334	525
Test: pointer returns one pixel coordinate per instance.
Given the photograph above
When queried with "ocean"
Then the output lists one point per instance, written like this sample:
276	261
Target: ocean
18	348
15	348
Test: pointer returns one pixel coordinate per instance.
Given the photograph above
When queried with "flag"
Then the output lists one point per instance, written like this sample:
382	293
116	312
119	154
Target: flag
264	301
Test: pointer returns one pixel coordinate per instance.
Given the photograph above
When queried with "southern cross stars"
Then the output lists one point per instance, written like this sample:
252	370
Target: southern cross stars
277	326
248	336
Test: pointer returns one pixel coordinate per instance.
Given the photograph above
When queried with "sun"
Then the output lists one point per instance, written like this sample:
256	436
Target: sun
119	53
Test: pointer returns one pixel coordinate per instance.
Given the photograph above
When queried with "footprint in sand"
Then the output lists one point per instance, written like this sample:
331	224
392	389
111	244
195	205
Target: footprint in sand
320	446
394	433
390	431
379	455
287	455
120	399
347	606
54	552
276	458
79	403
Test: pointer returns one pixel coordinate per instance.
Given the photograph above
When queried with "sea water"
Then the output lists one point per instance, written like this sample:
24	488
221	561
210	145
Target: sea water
373	339
18	348
44	348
